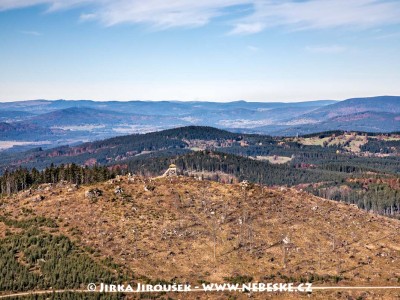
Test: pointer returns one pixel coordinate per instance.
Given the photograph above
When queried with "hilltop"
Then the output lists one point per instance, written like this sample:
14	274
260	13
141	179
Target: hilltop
185	230
355	167
390	104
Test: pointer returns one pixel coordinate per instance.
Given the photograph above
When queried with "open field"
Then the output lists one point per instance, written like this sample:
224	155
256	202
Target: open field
350	142
9	144
275	159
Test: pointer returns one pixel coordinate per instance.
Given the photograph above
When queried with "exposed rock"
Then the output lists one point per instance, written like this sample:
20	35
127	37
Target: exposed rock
27	193
93	193
286	240
73	187
62	183
118	190
131	178
244	184
38	198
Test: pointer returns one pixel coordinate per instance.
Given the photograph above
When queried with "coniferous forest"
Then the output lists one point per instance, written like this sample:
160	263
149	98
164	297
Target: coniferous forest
31	258
22	178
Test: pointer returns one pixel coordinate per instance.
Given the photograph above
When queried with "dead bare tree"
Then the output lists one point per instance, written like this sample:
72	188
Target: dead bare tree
225	210
319	256
177	201
250	233
242	228
204	197
214	231
134	241
284	250
339	267
333	236
285	245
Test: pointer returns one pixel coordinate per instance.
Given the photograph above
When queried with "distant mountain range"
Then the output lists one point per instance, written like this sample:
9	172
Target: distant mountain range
72	122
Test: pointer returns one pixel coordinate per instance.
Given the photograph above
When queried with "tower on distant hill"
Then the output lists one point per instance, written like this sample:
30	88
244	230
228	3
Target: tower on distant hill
172	171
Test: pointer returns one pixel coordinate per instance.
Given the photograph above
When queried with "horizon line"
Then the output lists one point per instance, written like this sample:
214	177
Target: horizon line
195	101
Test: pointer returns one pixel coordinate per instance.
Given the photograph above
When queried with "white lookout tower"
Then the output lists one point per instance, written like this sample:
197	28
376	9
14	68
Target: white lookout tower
172	171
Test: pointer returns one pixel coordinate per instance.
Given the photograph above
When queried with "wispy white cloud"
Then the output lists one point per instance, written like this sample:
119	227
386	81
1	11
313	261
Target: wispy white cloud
87	17
30	32
248	28
253	49
331	49
12	4
319	14
163	14
393	35
159	14
53	5
291	14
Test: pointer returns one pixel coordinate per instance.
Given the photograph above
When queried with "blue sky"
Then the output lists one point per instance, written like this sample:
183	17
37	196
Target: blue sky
220	50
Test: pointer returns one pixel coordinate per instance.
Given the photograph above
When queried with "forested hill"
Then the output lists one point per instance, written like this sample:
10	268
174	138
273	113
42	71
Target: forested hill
124	147
329	149
216	165
170	138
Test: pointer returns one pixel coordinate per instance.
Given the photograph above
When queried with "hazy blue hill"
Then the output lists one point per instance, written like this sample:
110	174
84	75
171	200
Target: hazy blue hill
258	105
95	120
32	106
364	121
150	107
77	116
13	115
16	131
389	104
369	121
